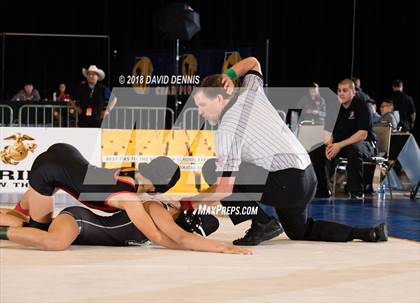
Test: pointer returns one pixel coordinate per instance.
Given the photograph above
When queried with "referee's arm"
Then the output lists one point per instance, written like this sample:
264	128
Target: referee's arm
216	192
246	65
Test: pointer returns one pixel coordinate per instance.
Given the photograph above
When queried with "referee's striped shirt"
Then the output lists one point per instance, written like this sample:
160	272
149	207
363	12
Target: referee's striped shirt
251	130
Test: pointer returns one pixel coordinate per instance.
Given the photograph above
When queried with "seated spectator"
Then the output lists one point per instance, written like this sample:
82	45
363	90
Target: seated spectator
313	105
376	118
28	93
388	114
352	137
61	117
62	95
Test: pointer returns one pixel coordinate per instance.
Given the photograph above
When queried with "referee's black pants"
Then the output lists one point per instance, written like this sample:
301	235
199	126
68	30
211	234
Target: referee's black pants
289	191
355	153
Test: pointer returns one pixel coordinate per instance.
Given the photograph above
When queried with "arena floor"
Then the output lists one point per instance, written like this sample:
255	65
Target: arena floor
279	271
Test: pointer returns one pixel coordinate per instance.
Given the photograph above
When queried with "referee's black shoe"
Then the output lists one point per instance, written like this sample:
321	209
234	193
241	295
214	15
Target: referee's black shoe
260	232
378	234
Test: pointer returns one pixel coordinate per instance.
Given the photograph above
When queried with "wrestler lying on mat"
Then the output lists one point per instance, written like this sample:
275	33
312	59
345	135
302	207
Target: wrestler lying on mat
80	226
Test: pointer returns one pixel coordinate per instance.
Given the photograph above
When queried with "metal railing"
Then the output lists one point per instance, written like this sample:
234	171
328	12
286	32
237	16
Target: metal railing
142	117
123	117
192	120
6	120
47	116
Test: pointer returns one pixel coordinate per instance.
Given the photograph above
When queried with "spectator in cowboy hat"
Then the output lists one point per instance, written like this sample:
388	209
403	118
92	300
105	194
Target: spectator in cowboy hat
93	100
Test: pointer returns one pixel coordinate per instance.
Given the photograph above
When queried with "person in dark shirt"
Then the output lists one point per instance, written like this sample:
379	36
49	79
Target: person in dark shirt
94	100
313	105
360	94
404	104
28	93
351	137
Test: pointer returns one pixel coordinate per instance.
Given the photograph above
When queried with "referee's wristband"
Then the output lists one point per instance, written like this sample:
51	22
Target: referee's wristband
231	74
341	145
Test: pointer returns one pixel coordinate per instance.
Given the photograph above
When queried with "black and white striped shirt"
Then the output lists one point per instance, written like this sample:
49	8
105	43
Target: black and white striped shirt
251	130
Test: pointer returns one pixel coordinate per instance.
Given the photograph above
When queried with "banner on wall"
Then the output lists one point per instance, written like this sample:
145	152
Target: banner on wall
190	149
19	146
158	69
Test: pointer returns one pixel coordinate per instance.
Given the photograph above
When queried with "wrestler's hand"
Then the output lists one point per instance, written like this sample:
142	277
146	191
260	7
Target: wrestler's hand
228	84
237	250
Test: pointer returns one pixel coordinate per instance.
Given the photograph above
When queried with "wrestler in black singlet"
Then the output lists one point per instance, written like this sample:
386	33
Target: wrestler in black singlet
62	166
118	230
114	230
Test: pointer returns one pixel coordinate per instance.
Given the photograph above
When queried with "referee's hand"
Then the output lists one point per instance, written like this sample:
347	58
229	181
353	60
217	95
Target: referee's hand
228	84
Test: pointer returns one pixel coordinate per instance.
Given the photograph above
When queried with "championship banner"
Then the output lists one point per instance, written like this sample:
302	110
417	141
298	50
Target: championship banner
19	146
158	69
190	149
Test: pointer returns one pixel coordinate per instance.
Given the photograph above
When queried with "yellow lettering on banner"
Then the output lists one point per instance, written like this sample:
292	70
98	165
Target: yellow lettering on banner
144	68
189	148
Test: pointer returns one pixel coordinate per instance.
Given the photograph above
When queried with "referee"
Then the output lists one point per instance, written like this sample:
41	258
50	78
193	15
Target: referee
258	159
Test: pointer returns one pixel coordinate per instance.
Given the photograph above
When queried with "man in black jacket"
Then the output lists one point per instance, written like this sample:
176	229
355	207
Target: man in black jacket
94	100
405	105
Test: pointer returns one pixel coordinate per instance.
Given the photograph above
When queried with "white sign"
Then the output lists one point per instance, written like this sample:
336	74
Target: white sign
19	146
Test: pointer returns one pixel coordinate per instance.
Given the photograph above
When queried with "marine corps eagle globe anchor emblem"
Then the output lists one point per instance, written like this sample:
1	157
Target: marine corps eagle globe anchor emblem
13	154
